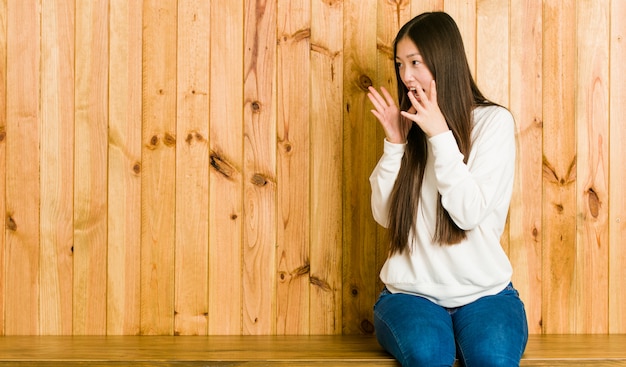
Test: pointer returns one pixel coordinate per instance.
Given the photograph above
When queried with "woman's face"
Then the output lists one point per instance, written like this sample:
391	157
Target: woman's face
412	70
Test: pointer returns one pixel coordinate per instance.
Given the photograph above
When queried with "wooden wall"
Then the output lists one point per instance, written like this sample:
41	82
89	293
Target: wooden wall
200	167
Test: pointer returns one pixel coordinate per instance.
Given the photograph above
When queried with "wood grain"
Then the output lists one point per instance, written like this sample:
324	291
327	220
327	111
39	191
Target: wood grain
330	350
326	169
559	168
359	157
493	49
57	168
293	259
421	6
525	103
617	174
3	150
192	172
90	168
464	14
259	174
592	122
124	168
226	161
158	187
23	129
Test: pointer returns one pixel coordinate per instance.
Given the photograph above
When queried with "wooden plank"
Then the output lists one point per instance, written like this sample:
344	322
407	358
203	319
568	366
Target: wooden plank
192	175
421	6
159	164
226	159
464	14
542	350
326	170
259	174
617	173
525	103
57	167
492	49
559	167
22	168
3	151
90	168
359	228
294	185
195	351
124	169
592	122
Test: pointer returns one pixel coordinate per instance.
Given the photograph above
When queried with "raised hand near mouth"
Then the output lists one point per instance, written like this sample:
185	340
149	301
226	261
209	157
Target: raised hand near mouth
425	112
388	114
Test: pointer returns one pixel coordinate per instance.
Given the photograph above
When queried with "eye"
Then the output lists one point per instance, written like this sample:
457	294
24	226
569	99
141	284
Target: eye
416	62
398	64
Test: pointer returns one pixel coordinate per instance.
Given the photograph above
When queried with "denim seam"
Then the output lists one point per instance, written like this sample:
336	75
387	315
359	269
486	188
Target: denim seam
395	337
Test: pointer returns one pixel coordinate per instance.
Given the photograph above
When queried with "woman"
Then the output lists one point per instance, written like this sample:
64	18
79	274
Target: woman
442	188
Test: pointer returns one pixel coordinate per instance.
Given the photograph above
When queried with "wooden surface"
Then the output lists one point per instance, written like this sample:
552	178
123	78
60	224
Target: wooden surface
552	350
192	167
125	109
158	168
617	176
225	174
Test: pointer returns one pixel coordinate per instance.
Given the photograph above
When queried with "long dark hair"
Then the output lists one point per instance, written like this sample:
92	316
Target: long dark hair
439	42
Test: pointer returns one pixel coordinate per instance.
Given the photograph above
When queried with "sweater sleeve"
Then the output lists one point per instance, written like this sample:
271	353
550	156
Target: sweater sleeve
470	192
382	180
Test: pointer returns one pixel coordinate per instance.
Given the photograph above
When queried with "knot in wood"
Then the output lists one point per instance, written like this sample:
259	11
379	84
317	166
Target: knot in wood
154	142
367	327
137	167
365	82
258	180
3	135
221	165
169	140
11	225
256	106
594	202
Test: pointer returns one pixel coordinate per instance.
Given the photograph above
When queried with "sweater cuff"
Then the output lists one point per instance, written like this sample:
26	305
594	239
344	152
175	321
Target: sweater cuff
445	147
390	148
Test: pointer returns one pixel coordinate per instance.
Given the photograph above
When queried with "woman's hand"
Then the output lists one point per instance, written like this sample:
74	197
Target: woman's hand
388	114
426	113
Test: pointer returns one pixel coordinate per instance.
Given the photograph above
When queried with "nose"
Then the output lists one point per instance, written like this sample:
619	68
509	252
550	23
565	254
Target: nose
406	75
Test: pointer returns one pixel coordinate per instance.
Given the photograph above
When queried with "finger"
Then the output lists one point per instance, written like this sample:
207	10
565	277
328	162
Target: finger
414	102
422	96
410	116
376	95
378	116
377	102
388	97
433	92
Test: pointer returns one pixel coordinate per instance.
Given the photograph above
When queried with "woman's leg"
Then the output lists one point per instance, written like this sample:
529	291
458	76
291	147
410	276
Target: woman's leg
414	330
491	331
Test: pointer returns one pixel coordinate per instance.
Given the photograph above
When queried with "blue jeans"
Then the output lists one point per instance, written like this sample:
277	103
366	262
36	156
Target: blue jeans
491	331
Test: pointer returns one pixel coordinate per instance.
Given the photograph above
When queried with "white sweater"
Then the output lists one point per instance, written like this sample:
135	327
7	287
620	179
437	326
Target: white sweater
477	197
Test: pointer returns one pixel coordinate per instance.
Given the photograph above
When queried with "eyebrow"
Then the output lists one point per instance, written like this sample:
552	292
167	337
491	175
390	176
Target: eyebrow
410	55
